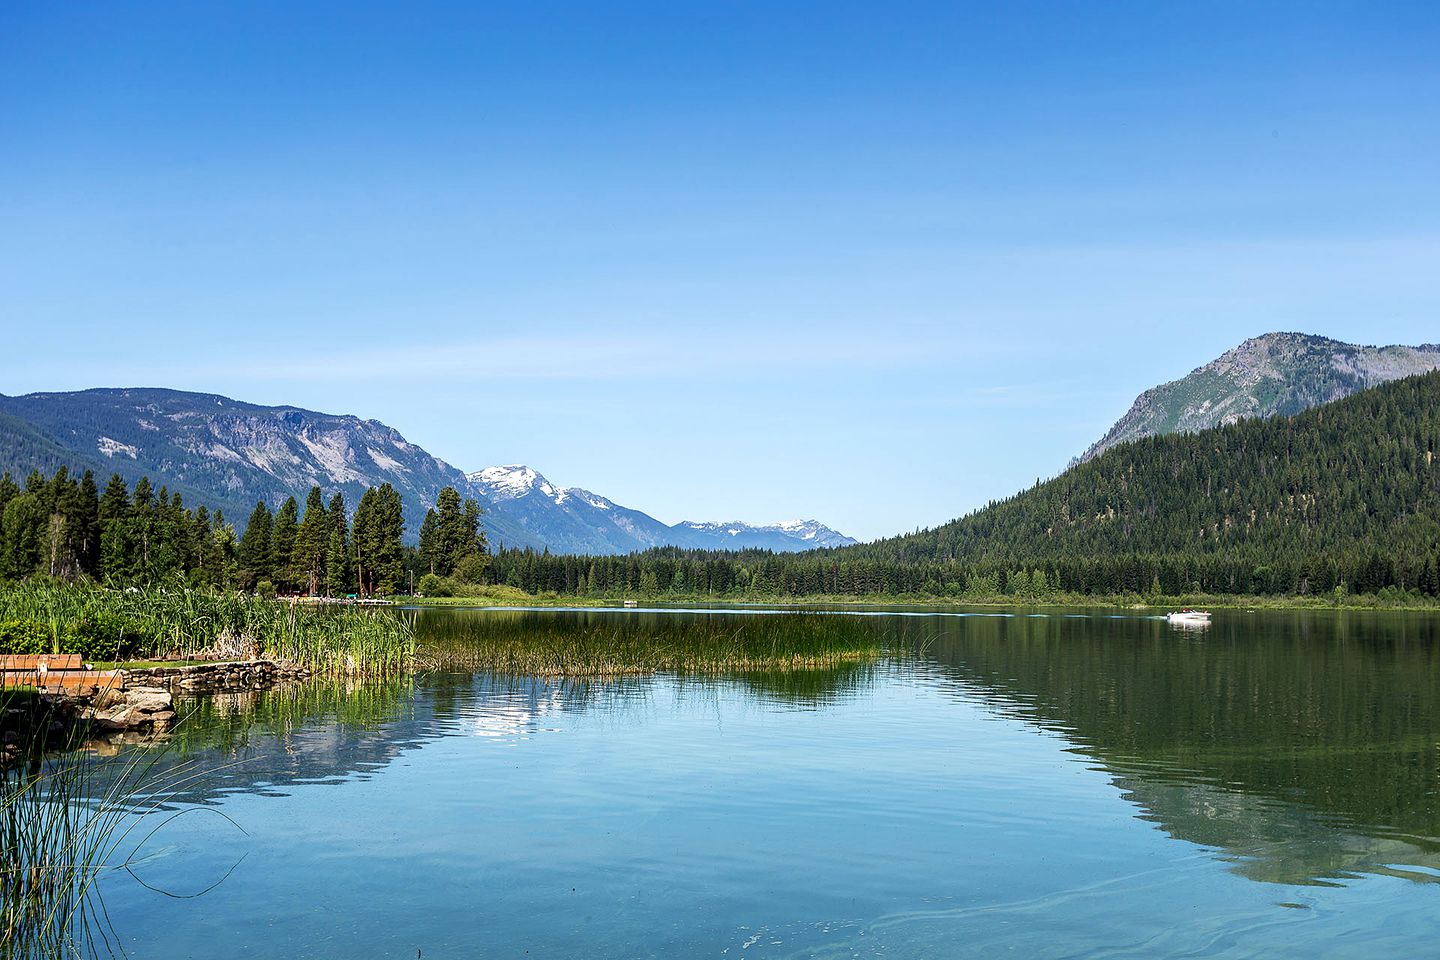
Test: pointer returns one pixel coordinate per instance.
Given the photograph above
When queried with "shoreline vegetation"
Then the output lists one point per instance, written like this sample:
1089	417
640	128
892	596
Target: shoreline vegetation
165	625
528	644
511	596
68	816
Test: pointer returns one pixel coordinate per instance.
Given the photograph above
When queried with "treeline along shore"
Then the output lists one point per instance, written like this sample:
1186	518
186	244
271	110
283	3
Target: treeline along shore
1340	501
63	527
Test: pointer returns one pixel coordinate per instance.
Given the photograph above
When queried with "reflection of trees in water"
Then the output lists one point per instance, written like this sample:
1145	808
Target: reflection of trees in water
809	689
1273	840
260	741
326	732
1305	744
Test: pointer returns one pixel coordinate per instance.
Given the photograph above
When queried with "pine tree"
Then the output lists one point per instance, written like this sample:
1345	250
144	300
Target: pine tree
311	541
451	538
337	554
141	525
116	544
87	522
22	535
223	546
63	534
432	551
390	529
375	541
363	543
202	571
255	553
282	545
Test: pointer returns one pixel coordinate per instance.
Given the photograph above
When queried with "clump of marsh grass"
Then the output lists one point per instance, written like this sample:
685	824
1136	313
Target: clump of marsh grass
604	645
67	817
175	622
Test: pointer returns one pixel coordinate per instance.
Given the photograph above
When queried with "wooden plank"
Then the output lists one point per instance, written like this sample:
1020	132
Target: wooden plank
31	661
80	680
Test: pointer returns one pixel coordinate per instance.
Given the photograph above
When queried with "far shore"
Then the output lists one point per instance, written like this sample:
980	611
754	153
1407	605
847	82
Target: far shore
511	597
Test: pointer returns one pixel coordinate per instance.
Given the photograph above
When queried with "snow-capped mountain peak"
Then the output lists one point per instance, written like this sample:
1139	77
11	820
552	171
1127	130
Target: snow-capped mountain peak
771	535
514	480
594	499
525	509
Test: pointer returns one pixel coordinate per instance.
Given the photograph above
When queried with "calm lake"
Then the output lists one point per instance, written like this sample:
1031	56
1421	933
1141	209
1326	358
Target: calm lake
1052	786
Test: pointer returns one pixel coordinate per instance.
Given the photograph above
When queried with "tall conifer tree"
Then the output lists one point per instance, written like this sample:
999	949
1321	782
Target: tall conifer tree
311	541
282	544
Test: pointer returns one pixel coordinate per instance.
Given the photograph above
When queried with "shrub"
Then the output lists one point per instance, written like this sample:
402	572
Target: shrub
24	637
431	585
265	589
102	635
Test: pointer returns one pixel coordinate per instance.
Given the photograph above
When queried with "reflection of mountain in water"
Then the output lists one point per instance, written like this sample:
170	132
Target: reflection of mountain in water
1306	746
319	732
261	742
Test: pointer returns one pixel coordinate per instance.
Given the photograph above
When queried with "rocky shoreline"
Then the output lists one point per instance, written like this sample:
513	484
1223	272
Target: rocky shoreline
143	704
228	675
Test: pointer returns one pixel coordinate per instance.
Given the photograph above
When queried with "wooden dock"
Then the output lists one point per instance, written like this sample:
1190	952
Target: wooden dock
57	673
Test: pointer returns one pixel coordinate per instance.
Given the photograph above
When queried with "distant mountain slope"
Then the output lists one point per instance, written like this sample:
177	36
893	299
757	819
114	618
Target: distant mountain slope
784	536
24	448
535	512
1292	498
228	454
538	513
1277	374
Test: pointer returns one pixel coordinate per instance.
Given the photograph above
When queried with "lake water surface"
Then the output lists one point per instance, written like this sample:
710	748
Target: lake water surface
1046	786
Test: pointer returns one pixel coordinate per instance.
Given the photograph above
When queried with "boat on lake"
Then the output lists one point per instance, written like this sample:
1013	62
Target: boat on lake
1189	618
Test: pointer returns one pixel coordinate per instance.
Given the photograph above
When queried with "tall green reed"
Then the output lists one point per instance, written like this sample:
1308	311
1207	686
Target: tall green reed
615	644
174	622
68	817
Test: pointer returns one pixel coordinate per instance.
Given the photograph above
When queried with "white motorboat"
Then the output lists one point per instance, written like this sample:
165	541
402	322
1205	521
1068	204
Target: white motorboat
1189	618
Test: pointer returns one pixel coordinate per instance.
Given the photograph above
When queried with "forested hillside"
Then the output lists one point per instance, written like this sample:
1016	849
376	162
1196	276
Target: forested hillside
1333	484
24	448
1344	496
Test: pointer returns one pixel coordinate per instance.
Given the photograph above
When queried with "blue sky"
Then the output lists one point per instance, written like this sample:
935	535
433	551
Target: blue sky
870	263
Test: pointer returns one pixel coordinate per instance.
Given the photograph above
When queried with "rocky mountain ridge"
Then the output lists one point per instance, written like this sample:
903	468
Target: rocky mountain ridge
228	454
1277	374
577	519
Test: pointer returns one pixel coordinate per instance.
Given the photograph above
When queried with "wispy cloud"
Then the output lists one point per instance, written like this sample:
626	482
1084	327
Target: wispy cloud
560	357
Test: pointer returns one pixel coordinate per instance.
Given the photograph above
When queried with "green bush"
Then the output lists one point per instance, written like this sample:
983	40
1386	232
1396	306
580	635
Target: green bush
265	589
102	635
24	637
431	585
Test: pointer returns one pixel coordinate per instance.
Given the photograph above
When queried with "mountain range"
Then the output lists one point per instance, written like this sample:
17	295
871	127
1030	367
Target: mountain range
228	454
572	520
1278	374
